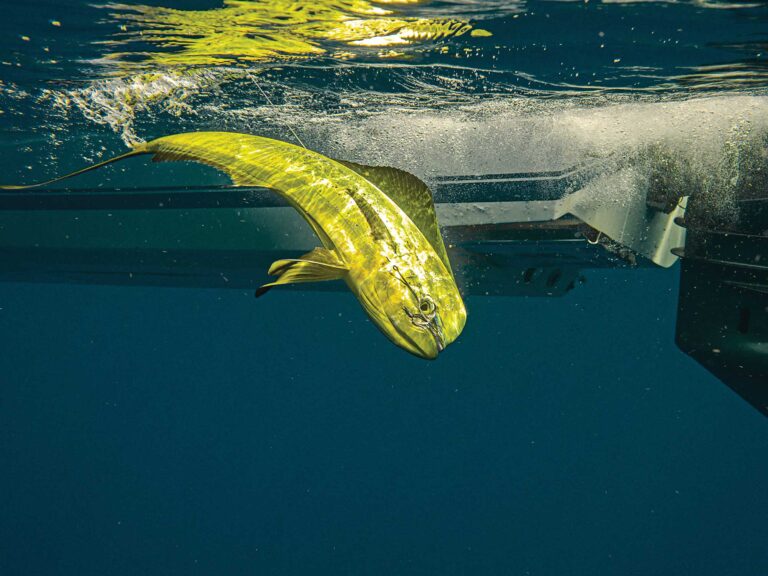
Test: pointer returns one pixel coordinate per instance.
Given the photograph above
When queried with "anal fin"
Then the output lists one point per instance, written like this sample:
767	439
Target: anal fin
316	266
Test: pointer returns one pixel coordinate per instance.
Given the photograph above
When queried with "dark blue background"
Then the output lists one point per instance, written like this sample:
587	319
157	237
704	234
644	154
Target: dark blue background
177	431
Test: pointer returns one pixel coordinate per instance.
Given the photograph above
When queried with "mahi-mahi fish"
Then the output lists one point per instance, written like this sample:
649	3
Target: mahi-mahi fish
377	226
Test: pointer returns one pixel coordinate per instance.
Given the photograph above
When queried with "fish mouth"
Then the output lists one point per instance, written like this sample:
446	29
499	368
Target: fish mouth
439	340
436	329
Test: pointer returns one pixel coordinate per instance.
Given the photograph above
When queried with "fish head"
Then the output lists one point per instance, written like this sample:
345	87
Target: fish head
416	305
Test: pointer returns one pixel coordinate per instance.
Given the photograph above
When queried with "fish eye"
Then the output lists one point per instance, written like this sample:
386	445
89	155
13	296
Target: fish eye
427	306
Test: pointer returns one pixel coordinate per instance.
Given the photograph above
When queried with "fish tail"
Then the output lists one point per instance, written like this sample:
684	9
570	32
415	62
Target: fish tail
140	149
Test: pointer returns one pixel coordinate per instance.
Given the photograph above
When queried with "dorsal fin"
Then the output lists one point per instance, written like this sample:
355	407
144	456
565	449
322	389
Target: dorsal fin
412	195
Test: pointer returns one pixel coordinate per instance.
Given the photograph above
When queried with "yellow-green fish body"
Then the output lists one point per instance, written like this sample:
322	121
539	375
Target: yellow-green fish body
377	226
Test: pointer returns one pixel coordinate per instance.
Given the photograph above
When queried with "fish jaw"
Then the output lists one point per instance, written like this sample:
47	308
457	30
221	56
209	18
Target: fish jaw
393	298
417	342
426	347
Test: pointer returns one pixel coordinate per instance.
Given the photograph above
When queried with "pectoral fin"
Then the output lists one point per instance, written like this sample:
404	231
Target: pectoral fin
316	266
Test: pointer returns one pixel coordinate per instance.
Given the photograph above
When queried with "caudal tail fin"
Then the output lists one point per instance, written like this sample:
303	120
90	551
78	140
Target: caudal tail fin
135	152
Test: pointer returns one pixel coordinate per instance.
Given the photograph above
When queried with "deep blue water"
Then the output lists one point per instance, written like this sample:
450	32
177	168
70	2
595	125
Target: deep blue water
180	431
149	430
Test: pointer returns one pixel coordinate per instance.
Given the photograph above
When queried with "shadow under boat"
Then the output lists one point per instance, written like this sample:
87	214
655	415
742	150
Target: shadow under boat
500	241
522	234
722	317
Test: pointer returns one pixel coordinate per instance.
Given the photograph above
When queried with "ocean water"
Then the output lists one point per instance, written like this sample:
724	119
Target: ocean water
170	423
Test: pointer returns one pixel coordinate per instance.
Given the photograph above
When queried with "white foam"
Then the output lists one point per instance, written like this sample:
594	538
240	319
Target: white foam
527	135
